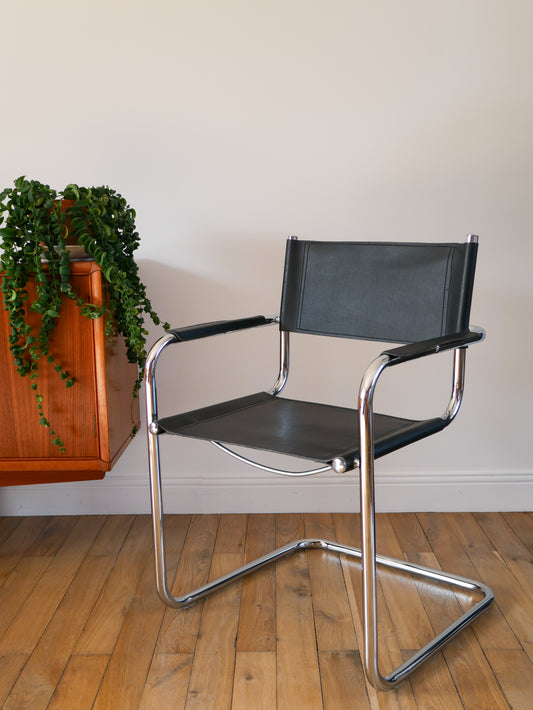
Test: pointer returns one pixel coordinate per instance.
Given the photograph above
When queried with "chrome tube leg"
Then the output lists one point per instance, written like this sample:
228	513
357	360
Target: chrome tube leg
157	518
368	568
369	558
155	466
368	526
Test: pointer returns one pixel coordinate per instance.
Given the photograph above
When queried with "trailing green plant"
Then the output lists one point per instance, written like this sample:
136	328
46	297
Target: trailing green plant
34	229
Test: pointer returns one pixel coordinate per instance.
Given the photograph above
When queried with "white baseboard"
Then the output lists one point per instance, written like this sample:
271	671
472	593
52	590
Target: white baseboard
466	491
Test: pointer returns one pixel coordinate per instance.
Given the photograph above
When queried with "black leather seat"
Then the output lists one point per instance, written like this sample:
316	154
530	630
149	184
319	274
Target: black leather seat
308	430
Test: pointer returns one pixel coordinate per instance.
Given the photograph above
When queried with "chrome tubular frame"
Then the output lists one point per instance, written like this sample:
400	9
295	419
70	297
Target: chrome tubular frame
367	553
459	358
155	466
368	538
269	469
283	362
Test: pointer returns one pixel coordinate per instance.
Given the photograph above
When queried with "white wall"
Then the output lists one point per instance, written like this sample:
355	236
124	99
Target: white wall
229	124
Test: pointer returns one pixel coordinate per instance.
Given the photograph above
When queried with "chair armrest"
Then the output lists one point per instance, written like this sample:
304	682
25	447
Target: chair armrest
203	330
411	351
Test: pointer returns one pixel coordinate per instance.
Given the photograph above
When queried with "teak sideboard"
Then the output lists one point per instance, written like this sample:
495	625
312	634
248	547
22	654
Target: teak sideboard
94	417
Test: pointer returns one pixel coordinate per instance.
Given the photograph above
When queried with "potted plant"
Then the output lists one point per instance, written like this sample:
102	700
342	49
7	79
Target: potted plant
37	227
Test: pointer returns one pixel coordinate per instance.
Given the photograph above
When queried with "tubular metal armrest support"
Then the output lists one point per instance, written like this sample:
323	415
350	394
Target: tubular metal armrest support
367	553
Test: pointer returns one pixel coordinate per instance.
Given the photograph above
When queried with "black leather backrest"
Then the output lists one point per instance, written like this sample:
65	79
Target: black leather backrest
394	292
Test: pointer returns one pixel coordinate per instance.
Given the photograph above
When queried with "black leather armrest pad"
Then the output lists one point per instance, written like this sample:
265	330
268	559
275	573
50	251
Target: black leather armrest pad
203	330
433	345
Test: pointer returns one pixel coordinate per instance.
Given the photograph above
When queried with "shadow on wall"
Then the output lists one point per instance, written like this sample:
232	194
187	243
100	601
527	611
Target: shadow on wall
210	369
237	278
182	297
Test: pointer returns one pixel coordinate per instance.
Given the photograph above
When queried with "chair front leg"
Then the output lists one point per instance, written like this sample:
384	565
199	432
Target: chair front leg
368	523
368	548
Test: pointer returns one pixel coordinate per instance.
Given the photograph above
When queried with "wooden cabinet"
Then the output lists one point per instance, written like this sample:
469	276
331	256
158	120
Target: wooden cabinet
94	417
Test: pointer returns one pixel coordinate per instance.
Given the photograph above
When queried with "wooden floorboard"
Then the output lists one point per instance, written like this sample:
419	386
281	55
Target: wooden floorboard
81	625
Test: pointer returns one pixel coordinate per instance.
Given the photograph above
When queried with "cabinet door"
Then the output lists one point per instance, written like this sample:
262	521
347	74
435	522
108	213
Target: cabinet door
71	411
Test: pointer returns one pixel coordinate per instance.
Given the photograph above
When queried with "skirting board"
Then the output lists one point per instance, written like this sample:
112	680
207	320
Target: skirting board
438	492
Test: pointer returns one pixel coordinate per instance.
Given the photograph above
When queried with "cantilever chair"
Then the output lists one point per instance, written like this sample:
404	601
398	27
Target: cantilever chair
415	294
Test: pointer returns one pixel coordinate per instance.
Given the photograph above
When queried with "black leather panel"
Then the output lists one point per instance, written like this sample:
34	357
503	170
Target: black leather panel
305	429
434	345
393	292
203	330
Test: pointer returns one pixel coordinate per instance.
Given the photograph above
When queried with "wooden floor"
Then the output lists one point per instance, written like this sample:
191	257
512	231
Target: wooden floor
82	627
